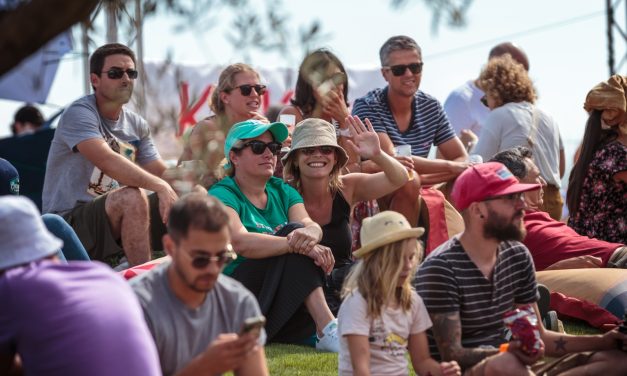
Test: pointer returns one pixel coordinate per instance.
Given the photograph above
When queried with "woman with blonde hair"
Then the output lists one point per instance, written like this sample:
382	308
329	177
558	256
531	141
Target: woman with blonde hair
382	317
237	97
514	120
313	167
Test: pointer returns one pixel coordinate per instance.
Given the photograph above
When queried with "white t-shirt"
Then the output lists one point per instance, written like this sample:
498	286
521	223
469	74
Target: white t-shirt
464	109
510	125
388	335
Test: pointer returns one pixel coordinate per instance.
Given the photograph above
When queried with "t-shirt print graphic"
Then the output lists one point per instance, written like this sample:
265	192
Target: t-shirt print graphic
100	183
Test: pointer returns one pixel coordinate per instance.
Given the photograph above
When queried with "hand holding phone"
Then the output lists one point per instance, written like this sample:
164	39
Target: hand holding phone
253	325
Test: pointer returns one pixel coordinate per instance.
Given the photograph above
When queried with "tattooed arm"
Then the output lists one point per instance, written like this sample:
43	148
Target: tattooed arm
557	344
447	330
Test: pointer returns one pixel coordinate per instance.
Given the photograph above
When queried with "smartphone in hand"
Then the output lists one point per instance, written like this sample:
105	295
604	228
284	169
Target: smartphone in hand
253	325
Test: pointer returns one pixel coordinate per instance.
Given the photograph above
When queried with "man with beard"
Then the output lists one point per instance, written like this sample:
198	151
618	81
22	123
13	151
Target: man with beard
469	282
100	156
193	310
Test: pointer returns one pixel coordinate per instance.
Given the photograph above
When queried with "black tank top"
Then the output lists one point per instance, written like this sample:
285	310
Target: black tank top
337	233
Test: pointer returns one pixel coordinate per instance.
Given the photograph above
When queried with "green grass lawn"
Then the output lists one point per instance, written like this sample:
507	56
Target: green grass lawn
302	360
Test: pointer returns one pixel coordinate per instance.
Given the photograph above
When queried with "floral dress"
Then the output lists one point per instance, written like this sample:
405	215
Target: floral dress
602	211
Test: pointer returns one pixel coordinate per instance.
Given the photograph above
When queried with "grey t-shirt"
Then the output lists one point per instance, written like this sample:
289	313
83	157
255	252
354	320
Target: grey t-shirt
182	333
67	171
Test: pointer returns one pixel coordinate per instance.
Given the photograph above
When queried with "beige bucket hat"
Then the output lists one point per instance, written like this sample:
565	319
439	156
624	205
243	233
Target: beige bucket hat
385	228
316	132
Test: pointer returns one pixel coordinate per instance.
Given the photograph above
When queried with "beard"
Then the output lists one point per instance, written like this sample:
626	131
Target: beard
502	228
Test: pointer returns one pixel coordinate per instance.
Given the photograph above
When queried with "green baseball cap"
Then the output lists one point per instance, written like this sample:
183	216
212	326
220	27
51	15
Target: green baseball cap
251	129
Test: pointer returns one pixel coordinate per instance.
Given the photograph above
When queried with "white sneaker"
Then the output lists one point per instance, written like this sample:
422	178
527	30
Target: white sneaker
330	341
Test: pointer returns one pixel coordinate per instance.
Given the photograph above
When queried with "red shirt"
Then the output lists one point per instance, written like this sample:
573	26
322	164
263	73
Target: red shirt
550	241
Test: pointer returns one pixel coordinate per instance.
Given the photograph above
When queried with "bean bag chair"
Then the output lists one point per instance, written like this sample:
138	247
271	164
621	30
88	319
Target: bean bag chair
597	296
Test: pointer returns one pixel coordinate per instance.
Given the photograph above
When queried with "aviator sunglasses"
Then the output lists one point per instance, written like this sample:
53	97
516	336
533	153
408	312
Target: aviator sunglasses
201	261
247	89
117	73
258	147
399	70
326	150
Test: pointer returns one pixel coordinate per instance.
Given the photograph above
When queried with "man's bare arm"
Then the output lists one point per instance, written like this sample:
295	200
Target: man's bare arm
447	330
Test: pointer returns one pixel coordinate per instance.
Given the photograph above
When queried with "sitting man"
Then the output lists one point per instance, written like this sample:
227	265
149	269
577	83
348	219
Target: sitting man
94	151
554	245
194	311
28	119
469	282
401	114
63	319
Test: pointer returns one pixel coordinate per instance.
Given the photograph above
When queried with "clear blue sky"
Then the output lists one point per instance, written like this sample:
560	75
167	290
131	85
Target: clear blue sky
565	41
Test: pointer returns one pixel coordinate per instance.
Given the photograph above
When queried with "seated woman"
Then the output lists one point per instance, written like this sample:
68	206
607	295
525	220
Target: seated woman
313	167
322	93
597	188
236	98
284	270
514	120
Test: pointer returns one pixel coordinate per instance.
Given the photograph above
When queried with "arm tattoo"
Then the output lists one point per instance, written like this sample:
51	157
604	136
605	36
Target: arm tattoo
560	344
447	331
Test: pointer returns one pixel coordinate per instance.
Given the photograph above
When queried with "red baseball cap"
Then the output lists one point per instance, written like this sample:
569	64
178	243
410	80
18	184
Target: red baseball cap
486	180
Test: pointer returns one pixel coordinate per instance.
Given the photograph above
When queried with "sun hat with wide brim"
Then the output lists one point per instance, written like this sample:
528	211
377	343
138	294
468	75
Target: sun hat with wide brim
385	228
23	235
316	132
251	129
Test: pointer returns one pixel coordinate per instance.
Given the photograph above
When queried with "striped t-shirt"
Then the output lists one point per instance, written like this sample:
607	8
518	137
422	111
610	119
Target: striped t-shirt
449	281
428	126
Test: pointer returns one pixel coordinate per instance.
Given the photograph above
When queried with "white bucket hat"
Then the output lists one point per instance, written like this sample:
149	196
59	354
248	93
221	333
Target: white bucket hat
23	236
385	228
316	132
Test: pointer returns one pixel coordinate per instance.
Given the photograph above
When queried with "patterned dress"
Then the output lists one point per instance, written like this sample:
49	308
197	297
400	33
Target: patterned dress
602	211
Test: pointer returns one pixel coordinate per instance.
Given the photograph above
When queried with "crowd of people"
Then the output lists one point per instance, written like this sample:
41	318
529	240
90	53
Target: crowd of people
256	222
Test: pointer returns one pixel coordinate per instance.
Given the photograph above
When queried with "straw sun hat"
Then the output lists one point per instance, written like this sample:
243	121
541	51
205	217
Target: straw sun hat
316	132
385	228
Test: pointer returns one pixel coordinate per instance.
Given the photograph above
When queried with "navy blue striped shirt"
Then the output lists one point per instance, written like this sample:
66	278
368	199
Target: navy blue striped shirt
428	126
449	281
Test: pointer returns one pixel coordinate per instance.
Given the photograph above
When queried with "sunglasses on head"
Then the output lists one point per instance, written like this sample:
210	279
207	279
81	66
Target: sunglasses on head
399	70
259	147
326	150
484	100
201	261
247	89
117	73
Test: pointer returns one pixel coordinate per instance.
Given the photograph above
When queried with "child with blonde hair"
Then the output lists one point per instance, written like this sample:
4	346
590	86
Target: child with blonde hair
382	317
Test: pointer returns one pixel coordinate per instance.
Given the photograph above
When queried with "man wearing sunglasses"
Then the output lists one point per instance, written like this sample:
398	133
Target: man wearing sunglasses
193	311
471	281
401	114
100	157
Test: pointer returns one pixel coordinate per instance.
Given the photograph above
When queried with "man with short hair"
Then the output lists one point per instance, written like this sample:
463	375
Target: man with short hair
401	114
27	120
554	245
101	155
63	319
463	105
469	282
193	310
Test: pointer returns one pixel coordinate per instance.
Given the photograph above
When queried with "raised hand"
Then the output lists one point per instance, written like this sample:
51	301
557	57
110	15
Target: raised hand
334	105
365	140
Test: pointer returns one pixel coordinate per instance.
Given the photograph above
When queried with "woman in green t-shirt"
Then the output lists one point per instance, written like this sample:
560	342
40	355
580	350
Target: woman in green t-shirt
286	273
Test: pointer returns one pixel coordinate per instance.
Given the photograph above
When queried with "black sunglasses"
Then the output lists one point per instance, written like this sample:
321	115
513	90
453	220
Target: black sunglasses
512	197
258	147
201	261
326	150
484	100
247	89
117	73
399	70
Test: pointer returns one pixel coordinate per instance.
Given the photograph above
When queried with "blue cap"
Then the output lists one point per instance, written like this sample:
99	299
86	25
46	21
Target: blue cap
251	129
9	179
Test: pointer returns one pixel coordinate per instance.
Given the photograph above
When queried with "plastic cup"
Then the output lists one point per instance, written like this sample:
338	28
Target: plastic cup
404	151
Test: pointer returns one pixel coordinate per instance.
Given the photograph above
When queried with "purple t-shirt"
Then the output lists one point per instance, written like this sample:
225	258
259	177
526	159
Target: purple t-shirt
74	319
